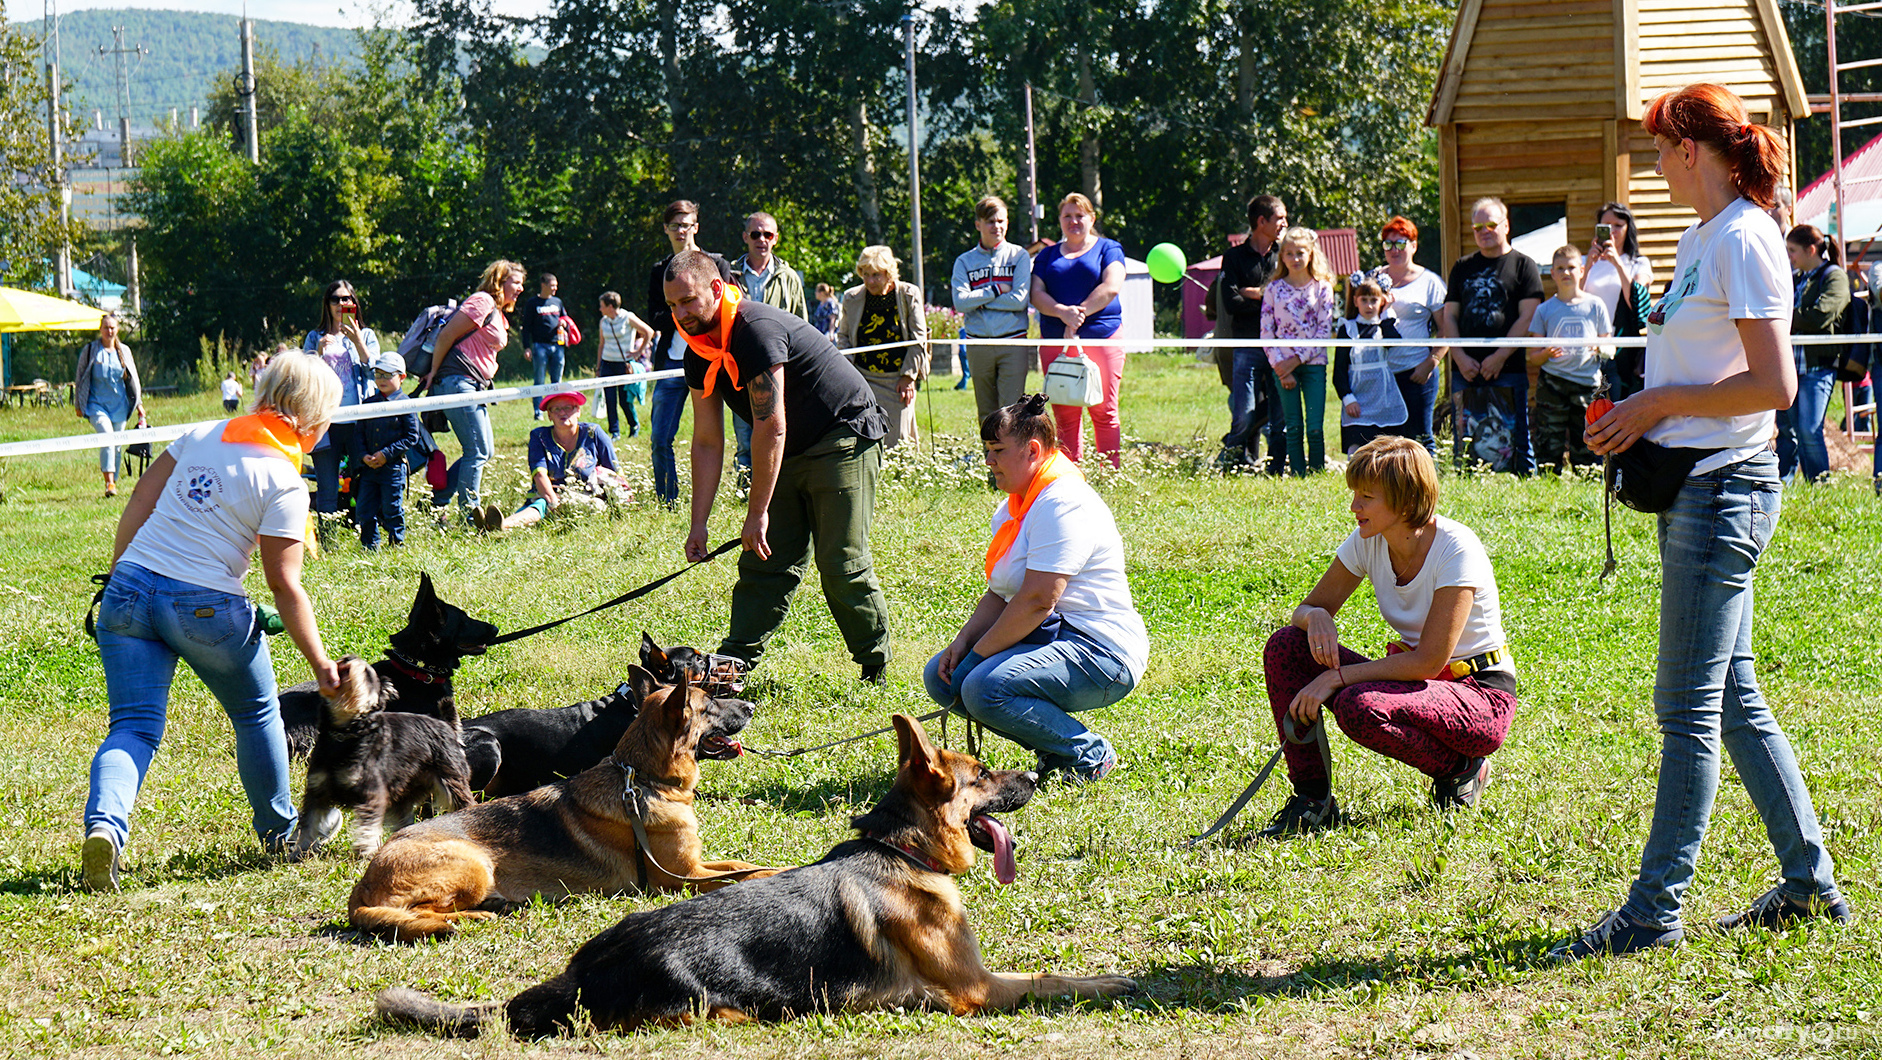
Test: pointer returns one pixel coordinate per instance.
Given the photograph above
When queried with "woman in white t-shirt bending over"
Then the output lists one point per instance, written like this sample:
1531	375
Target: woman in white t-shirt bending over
1056	632
1718	365
183	545
1441	698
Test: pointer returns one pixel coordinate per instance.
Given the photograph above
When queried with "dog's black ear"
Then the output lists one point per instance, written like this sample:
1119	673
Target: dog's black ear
914	754
651	654
425	604
642	682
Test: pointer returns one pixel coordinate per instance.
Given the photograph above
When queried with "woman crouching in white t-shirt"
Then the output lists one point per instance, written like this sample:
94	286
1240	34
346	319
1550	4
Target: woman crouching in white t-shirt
1056	632
183	545
1441	699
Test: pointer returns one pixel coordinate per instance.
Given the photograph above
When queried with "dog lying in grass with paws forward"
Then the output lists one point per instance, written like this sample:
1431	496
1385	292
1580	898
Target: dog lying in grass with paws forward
878	923
570	837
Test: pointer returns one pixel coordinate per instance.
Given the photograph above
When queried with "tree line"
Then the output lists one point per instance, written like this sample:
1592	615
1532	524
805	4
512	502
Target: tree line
556	140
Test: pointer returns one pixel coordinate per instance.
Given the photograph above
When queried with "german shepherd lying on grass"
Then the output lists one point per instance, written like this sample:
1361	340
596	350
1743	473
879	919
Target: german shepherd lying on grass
572	837
877	923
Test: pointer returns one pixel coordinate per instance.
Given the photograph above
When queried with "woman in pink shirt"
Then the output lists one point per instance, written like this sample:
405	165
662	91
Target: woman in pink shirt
464	362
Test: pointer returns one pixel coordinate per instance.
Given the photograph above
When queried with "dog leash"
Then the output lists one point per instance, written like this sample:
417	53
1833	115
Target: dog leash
619	600
930	716
1291	733
634	802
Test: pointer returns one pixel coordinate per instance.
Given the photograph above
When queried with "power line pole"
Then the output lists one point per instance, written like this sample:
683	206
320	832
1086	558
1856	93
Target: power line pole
62	278
914	158
1029	181
118	51
246	89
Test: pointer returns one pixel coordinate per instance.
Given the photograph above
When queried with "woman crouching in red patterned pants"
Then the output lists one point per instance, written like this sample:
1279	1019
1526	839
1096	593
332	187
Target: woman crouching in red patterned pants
1441	699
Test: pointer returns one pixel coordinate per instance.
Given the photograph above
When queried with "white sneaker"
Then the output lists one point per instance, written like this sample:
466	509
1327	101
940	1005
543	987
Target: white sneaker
98	861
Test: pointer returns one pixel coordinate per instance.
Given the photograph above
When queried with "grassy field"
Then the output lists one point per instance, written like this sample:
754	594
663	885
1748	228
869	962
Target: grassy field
1403	934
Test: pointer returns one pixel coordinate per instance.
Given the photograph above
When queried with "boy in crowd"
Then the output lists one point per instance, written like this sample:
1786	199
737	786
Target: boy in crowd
231	393
380	496
1570	371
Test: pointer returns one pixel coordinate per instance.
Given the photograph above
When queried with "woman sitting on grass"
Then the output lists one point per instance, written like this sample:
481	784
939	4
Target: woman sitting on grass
1441	699
567	448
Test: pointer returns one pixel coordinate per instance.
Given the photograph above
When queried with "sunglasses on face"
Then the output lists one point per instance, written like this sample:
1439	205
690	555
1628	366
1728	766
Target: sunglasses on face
341	298
1395	244
1485	226
761	235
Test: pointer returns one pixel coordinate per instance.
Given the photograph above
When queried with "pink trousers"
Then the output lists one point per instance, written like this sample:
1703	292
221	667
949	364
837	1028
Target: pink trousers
1104	422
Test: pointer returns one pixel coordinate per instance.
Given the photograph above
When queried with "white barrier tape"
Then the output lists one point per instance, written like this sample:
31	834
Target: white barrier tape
354	413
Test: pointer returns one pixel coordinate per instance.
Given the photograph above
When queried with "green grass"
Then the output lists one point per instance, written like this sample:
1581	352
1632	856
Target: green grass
1403	934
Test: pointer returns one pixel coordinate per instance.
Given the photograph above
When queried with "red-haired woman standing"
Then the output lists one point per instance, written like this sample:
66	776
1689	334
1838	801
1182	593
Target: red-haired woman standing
1718	365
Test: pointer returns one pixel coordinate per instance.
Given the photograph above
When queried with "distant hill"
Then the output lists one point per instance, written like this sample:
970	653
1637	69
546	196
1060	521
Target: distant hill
187	50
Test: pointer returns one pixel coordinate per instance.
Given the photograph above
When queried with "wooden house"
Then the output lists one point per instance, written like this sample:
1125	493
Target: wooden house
1539	103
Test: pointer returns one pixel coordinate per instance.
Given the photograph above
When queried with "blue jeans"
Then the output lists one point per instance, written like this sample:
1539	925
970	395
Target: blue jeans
1420	400
1028	693
145	624
379	500
341	442
663	409
1254	402
1304	409
741	433
618	399
547	359
1800	444
104	421
1705	692
471	424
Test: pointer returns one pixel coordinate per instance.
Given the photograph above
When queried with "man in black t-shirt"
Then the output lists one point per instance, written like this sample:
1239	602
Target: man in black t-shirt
1492	294
816	454
541	317
1253	390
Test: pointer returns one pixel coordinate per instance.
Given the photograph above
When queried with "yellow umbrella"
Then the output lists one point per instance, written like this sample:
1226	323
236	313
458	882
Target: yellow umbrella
26	311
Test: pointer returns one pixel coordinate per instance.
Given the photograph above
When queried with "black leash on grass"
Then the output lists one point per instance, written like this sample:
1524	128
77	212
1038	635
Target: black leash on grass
930	716
1317	733
621	599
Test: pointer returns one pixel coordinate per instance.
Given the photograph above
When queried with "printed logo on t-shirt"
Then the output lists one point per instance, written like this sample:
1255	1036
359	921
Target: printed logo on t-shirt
200	490
1486	301
1674	297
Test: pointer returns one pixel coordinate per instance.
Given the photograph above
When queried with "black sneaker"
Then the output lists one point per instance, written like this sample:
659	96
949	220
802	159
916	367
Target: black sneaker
1302	815
873	674
1463	789
1617	936
1776	911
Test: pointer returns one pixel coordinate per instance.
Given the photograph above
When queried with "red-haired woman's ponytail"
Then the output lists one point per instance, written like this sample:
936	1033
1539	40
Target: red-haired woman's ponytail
1714	115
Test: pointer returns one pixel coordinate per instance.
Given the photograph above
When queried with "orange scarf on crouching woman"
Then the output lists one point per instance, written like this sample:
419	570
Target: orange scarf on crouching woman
717	349
1056	467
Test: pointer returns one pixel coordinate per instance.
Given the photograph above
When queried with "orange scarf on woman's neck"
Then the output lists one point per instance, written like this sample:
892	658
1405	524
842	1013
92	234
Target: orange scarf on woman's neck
269	430
717	349
1056	467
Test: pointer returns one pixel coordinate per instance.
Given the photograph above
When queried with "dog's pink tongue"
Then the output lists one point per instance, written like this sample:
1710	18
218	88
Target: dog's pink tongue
1004	869
736	748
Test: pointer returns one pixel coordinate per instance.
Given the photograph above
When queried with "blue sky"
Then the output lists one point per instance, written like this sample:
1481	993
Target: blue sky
344	13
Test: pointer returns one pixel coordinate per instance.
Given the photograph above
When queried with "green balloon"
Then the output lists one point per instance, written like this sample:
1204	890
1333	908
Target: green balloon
1166	263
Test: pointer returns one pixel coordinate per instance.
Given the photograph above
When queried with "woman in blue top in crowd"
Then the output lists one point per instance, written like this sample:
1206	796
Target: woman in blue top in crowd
1075	287
566	449
106	392
348	349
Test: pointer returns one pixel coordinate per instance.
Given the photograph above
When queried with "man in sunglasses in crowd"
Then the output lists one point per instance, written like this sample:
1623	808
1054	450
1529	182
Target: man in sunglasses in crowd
1492	294
762	276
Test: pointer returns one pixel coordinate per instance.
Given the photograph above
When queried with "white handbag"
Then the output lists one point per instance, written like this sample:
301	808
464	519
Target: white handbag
1073	379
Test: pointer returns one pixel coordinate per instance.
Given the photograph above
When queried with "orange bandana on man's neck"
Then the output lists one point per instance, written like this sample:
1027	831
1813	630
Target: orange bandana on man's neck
717	349
270	431
1056	467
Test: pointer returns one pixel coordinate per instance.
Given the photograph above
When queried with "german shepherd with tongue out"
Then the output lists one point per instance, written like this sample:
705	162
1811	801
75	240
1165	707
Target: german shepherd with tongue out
878	923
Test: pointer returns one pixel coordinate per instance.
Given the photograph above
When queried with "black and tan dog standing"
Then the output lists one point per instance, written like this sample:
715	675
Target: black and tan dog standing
376	762
878	923
571	837
420	661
